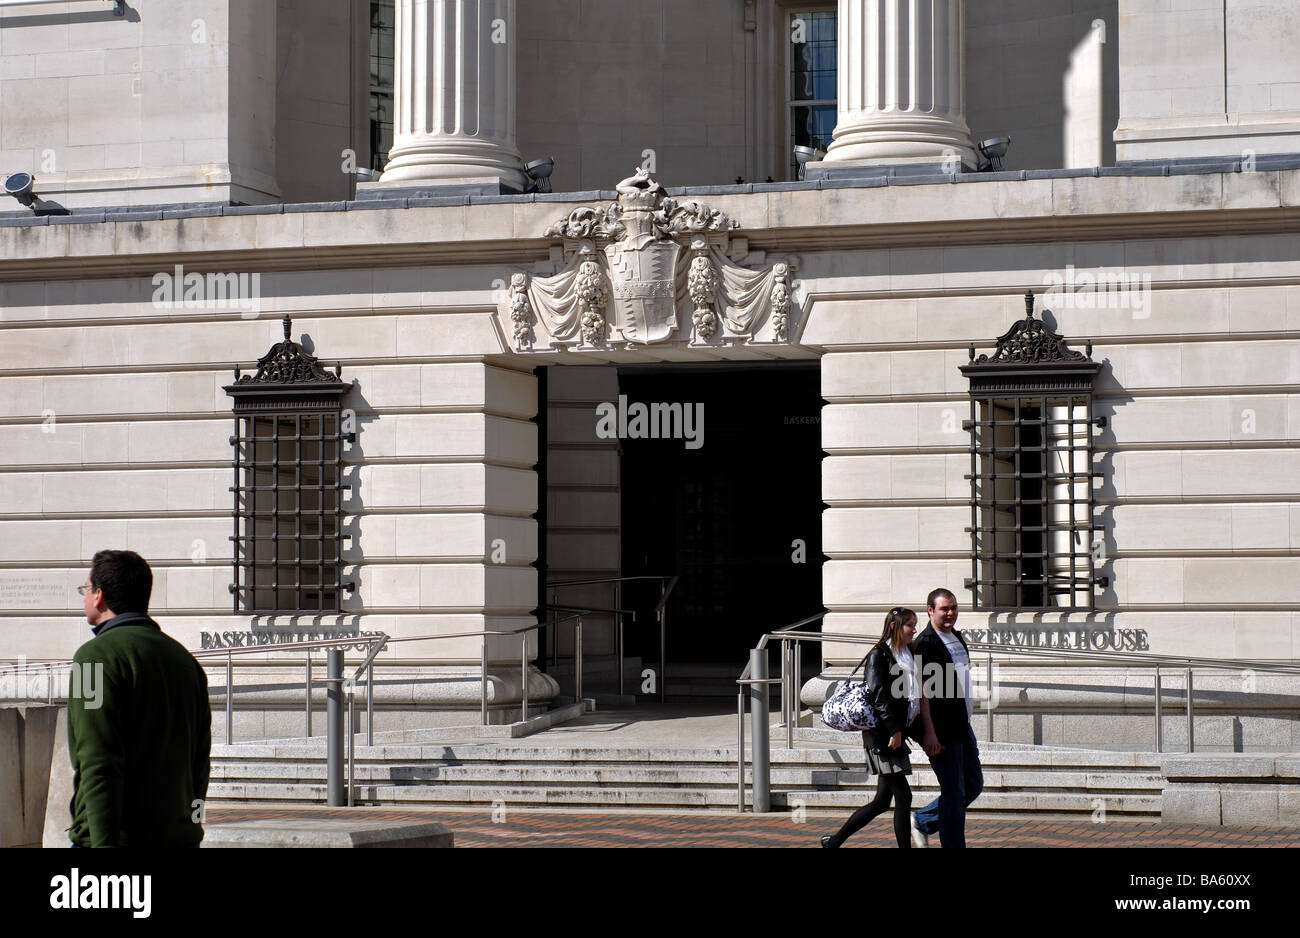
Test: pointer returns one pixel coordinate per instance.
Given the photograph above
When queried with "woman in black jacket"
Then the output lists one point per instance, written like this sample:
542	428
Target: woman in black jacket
895	698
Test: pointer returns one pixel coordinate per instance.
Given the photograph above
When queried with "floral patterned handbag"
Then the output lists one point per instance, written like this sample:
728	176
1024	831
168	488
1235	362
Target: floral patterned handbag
849	709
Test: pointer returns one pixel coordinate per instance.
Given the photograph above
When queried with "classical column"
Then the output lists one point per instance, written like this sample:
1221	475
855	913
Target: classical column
454	95
901	83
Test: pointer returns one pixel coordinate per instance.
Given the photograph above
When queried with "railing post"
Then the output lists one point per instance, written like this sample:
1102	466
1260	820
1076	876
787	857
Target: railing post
760	754
577	656
618	619
988	689
785	655
230	694
618	616
370	704
796	692
482	686
788	679
1191	746
308	684
523	676
663	643
334	725
1157	686
352	743
740	749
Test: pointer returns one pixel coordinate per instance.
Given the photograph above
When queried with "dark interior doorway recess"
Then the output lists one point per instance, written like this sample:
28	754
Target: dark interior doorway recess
736	514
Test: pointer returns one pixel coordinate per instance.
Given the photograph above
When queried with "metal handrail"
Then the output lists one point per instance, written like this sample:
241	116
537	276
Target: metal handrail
790	664
375	644
119	6
660	613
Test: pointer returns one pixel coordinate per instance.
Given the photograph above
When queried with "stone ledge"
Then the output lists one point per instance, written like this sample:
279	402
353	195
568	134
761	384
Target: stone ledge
327	832
1232	790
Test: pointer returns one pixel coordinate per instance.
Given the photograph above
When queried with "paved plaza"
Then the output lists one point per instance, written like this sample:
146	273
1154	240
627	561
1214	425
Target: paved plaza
541	828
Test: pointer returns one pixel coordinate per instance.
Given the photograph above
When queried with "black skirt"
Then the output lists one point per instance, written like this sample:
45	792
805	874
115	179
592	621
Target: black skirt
887	761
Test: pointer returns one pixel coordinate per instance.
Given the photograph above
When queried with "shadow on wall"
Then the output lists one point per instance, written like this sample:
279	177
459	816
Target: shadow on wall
1049	79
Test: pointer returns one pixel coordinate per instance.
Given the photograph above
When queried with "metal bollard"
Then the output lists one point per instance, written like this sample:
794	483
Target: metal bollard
334	720
760	747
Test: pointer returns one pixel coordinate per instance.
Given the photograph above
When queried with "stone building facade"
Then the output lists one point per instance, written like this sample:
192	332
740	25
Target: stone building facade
1150	199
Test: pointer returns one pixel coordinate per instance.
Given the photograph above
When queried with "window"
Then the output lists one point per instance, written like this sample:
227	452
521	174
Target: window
1031	472
288	489
382	36
810	92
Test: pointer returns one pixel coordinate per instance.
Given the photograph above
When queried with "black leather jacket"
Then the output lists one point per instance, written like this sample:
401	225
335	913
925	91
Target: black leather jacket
887	691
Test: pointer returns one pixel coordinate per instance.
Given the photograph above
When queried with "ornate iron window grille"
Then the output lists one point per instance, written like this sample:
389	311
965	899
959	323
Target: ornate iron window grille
1031	472
288	488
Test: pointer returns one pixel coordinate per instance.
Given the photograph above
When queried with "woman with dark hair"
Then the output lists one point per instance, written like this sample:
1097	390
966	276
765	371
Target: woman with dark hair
895	695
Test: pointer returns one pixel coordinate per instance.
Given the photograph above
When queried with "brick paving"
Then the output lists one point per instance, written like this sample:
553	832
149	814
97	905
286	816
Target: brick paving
533	828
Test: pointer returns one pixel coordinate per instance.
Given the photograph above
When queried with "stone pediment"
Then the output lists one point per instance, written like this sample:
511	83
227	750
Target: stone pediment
648	269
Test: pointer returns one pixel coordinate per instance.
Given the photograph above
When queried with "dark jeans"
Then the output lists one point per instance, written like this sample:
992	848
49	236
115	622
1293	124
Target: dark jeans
960	782
892	786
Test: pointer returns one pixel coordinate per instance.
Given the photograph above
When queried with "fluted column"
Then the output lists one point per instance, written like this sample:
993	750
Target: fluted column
901	83
454	95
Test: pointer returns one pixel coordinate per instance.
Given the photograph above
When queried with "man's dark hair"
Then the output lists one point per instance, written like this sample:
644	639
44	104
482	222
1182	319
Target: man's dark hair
936	594
125	579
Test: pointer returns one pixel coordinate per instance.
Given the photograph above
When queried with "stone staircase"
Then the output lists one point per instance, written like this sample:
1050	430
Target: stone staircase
444	771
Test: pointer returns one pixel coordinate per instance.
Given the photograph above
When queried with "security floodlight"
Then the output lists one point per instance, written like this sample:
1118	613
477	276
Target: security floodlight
22	186
804	155
993	151
539	171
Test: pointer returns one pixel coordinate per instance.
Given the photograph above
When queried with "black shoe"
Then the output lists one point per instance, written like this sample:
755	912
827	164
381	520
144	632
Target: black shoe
826	840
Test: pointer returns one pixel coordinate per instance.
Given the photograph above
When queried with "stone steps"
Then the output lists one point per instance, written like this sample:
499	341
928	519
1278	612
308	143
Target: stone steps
633	775
991	801
1064	782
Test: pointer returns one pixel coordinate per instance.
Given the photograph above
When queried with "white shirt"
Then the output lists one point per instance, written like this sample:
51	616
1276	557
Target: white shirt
961	661
908	666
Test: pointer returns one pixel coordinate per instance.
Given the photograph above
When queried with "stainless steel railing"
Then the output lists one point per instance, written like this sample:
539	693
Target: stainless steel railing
119	6
374	644
666	586
790	678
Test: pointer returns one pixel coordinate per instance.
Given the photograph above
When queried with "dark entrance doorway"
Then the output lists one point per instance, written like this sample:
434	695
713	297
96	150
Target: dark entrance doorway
734	511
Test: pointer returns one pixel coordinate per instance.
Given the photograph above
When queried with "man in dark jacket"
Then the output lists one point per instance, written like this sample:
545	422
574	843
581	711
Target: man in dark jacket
139	724
943	668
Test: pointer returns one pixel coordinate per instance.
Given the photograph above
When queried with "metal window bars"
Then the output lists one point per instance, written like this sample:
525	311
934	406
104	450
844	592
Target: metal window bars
1031	457
288	485
288	513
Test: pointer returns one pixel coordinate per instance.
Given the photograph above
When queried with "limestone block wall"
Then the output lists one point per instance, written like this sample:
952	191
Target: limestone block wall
1207	79
600	83
115	431
583	538
322	93
1199	500
1045	74
705	86
174	102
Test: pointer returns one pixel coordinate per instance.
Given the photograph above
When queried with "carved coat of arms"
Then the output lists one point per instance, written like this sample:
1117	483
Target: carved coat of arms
633	267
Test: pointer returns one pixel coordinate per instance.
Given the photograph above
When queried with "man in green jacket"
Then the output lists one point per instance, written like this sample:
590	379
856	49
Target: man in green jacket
139	723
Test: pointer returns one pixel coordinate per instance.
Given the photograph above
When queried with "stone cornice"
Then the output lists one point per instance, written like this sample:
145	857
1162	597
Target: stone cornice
993	212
